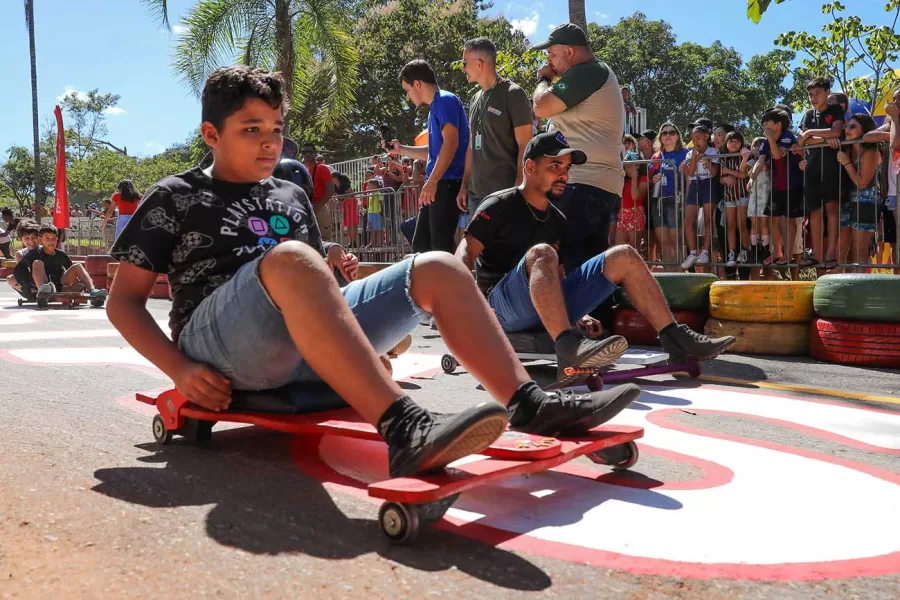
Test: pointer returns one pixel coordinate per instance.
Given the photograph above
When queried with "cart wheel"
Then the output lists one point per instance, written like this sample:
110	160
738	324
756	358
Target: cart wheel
620	458
434	511
631	457
21	301
97	302
162	435
204	431
42	303
399	522
449	363
595	383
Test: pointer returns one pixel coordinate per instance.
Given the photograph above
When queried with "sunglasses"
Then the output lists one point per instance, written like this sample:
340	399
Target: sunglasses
669	132
464	63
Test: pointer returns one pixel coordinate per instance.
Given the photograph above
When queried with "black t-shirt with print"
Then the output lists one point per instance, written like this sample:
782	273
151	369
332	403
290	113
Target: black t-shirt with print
822	160
201	230
508	226
55	265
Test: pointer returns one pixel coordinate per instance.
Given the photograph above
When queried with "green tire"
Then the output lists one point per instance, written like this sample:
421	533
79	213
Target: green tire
858	297
683	291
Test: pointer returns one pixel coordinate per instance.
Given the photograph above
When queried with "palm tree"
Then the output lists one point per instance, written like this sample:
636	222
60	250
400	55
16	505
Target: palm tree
307	40
577	14
38	184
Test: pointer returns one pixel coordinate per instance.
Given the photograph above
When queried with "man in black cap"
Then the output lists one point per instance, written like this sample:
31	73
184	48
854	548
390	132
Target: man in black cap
646	139
585	104
515	242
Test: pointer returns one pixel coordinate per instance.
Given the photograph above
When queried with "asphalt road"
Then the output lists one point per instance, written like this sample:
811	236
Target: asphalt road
90	506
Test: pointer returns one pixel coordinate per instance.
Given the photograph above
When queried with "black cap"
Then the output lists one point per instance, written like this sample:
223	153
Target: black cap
567	34
703	122
308	147
553	143
650	134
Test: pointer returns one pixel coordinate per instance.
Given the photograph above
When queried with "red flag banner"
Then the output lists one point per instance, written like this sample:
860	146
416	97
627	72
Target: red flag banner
61	204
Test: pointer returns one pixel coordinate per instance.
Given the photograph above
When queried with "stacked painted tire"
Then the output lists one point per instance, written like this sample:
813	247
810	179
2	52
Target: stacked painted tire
858	320
687	295
96	268
766	317
161	289
7	267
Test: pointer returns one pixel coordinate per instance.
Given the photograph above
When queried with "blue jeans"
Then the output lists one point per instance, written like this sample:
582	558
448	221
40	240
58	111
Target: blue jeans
589	212
239	330
584	289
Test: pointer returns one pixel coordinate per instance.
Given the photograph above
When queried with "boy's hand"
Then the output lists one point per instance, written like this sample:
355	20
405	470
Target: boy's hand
745	152
802	165
729	180
796	149
204	386
346	264
835	143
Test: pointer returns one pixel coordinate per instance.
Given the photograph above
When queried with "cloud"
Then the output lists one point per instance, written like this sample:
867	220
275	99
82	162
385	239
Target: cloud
152	147
114	111
179	29
601	16
71	91
527	25
551	26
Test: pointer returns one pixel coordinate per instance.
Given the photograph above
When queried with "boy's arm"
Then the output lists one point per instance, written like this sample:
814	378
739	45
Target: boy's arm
811	135
127	311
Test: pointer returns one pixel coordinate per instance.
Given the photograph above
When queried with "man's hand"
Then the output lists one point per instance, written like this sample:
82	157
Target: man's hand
346	264
590	326
428	193
392	148
547	71
462	200
204	386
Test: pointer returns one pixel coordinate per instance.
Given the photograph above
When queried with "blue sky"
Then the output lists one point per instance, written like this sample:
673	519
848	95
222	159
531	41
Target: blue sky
114	46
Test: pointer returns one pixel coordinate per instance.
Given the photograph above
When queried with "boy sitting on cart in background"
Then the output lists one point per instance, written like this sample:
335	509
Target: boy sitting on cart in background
27	231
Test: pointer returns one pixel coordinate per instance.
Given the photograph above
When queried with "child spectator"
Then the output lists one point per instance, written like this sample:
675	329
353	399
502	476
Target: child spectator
670	147
702	167
822	183
372	201
785	170
49	269
632	216
28	232
629	144
861	162
733	179
349	205
759	186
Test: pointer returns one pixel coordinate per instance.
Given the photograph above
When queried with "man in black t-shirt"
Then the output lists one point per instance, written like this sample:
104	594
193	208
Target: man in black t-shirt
47	269
822	182
257	306
515	241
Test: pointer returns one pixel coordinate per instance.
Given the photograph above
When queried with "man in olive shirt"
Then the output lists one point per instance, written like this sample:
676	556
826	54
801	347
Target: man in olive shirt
501	125
585	104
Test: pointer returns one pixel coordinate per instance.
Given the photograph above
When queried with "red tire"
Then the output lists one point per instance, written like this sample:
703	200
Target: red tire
637	330
856	343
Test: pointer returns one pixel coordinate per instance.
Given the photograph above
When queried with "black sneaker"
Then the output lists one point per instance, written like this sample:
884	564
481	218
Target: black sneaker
578	356
566	413
433	443
683	343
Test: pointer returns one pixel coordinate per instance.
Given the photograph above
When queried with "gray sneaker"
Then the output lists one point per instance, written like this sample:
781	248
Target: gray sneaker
566	413
578	356
46	290
683	343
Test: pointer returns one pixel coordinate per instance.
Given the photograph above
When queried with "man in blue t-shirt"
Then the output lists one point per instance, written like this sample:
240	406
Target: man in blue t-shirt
448	139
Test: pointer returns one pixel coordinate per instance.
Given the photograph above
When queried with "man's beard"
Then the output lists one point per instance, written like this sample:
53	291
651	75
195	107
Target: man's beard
551	195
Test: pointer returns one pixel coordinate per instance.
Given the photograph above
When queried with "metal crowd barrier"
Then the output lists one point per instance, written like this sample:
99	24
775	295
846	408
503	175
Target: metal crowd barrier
83	237
369	223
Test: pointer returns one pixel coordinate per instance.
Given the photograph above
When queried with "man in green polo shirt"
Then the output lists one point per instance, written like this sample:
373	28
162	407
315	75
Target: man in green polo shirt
581	97
501	126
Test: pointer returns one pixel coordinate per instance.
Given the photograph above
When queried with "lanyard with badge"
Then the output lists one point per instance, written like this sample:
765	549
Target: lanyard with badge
478	116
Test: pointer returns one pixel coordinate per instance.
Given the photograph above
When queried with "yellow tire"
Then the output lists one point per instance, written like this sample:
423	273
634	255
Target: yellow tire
783	339
762	301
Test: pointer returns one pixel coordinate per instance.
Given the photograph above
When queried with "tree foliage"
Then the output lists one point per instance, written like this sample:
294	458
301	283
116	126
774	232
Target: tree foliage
17	177
845	45
86	120
683	81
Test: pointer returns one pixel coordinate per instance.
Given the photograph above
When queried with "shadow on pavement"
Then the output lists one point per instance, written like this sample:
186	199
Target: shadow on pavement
264	505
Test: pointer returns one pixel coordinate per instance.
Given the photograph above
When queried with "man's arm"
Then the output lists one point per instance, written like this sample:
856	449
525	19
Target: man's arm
462	198
524	134
544	103
329	191
468	250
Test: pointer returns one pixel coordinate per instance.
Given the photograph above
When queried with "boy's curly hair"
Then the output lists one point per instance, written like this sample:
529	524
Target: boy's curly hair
228	88
27	227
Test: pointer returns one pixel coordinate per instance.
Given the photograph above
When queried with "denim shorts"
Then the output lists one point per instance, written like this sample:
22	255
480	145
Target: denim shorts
584	289
741	202
700	192
663	213
239	330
